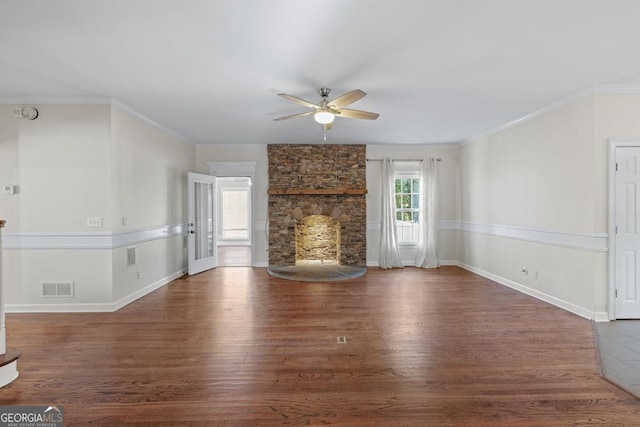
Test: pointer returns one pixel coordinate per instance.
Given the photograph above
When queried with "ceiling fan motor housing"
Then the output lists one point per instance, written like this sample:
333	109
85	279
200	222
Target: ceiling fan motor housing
324	92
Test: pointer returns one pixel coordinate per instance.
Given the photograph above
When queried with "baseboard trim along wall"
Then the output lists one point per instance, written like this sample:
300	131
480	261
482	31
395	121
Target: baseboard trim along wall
93	307
565	305
94	240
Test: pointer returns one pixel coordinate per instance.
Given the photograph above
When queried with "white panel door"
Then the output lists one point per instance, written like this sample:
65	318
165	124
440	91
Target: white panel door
627	238
201	241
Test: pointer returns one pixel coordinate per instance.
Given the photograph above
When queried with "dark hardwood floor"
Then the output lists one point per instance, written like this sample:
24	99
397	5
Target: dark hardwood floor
236	347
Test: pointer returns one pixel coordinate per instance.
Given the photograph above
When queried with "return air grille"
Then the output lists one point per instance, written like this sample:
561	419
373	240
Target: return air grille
131	256
57	289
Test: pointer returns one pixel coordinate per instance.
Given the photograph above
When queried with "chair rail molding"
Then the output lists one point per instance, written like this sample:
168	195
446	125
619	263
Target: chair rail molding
93	240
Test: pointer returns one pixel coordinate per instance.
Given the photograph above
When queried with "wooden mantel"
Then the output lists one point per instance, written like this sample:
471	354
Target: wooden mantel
316	191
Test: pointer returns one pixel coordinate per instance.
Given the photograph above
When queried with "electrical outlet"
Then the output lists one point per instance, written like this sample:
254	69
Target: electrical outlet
95	221
535	274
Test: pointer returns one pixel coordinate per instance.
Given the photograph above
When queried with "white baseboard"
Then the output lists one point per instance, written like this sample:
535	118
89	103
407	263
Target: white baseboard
565	305
111	307
146	290
93	307
413	263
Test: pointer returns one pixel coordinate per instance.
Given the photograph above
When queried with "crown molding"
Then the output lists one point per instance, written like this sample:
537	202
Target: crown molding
613	89
56	101
113	102
624	89
544	110
116	103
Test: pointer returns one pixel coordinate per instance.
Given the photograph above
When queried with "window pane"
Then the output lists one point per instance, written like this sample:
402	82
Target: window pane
407	192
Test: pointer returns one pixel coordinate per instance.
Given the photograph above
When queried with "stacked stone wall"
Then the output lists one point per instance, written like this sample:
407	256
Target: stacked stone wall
313	167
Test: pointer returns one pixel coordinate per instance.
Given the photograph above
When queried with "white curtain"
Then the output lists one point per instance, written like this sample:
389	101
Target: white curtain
389	253
427	255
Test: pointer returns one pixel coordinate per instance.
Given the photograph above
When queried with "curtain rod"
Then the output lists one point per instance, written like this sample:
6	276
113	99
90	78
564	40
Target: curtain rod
437	159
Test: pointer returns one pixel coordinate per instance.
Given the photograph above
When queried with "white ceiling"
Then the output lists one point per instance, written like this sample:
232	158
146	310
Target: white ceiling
437	71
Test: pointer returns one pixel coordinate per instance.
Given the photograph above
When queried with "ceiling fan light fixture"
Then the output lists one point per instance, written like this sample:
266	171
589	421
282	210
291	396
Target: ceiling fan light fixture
324	117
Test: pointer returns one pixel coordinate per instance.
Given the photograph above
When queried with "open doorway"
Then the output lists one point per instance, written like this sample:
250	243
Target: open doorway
234	221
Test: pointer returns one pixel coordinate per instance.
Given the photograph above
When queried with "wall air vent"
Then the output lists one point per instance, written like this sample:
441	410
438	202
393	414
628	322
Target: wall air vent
57	289
131	256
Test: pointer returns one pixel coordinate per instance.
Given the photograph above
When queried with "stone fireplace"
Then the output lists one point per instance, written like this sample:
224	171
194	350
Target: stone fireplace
317	204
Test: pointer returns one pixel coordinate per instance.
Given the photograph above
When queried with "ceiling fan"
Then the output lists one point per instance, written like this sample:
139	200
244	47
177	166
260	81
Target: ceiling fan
326	111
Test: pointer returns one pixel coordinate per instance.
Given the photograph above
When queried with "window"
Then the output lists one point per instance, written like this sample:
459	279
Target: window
407	190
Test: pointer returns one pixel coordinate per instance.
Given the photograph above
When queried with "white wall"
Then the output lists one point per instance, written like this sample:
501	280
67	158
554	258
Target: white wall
79	161
61	164
535	195
617	116
148	191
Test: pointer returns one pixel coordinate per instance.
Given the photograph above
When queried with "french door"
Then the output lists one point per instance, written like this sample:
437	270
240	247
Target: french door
201	240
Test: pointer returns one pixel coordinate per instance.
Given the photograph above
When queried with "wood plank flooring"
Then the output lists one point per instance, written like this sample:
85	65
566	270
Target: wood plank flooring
236	347
234	256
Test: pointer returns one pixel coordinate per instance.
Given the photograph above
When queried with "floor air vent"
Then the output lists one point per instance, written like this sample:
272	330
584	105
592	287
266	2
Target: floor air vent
57	289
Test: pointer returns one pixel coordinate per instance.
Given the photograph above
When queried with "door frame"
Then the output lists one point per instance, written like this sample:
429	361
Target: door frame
222	186
614	143
240	169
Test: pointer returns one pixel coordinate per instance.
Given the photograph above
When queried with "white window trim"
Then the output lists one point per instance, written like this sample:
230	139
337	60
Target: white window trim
400	175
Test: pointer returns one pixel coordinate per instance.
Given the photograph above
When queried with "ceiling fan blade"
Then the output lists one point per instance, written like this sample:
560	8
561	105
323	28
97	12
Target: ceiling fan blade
356	114
299	101
346	99
293	116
